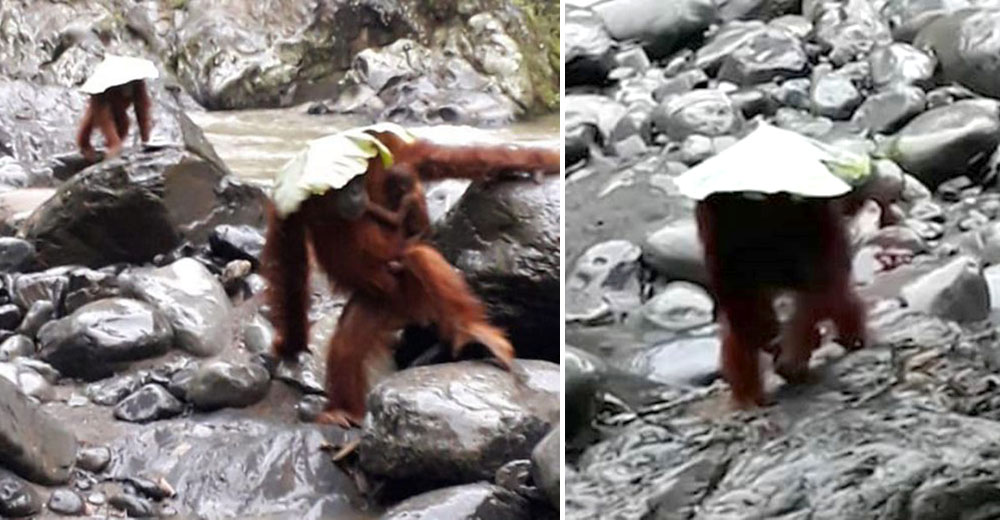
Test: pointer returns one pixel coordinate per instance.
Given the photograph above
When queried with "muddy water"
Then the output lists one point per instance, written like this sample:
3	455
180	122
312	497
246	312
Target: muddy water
256	143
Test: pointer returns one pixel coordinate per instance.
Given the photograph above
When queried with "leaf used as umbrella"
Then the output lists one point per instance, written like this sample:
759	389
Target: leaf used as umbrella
118	70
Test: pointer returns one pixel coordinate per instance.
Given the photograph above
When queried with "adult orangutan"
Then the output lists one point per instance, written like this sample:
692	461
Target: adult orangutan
770	218
357	200
116	84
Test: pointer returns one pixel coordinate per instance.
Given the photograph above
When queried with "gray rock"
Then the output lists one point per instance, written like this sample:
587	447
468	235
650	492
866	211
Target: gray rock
30	377
770	54
885	112
26	289
604	281
16	346
661	28
956	291
237	243
796	93
834	96
258	335
467	502
516	476
899	238
688	361
87	285
704	111
193	301
40	313
584	373
93	458
458	422
676	253
966	48
220	384
99	337
849	30
545	466
726	41
679	306
17	497
16	255
270	467
588	53
111	391
505	240
36	446
150	403
948	141
589	110
900	64
133	506
10	316
138	205
66	502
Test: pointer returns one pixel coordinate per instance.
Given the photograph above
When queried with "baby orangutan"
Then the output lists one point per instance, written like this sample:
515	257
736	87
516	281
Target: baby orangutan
758	247
367	238
108	112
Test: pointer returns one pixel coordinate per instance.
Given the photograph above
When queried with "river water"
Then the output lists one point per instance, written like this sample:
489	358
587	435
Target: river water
256	143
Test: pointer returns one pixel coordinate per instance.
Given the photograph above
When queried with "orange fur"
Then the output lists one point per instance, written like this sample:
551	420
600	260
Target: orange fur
108	112
358	257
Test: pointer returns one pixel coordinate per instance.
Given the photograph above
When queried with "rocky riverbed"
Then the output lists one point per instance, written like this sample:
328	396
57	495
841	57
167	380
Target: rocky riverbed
905	428
134	369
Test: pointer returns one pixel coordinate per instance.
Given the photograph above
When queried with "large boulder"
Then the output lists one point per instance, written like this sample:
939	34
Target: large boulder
589	48
193	301
505	240
661	27
948	141
966	44
469	501
34	444
103	336
458	422
136	206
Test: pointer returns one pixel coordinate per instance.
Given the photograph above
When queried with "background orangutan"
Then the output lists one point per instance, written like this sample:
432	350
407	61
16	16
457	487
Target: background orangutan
358	255
108	112
756	248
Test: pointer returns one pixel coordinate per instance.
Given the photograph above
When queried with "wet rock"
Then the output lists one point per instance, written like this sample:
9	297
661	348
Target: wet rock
887	111
770	54
93	458
30	377
17	498
516	476
10	316
310	407
150	403
237	243
956	291
505	240
469	501
100	337
726	41
704	111
111	391
948	141
795	93
900	64
192	300
545	465
16	346
588	48
36	446
243	468
16	255
136	206
835	96
50	285
40	313
966	44
899	238
306	374
584	372
605	281
221	384
676	253
133	506
679	306
661	28
444	430
633	58
258	335
592	111
234	274
87	285
66	502
689	361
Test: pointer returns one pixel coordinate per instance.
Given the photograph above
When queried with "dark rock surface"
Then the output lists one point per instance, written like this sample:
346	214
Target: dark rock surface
458	422
149	403
35	445
469	501
546	466
220	384
17	498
